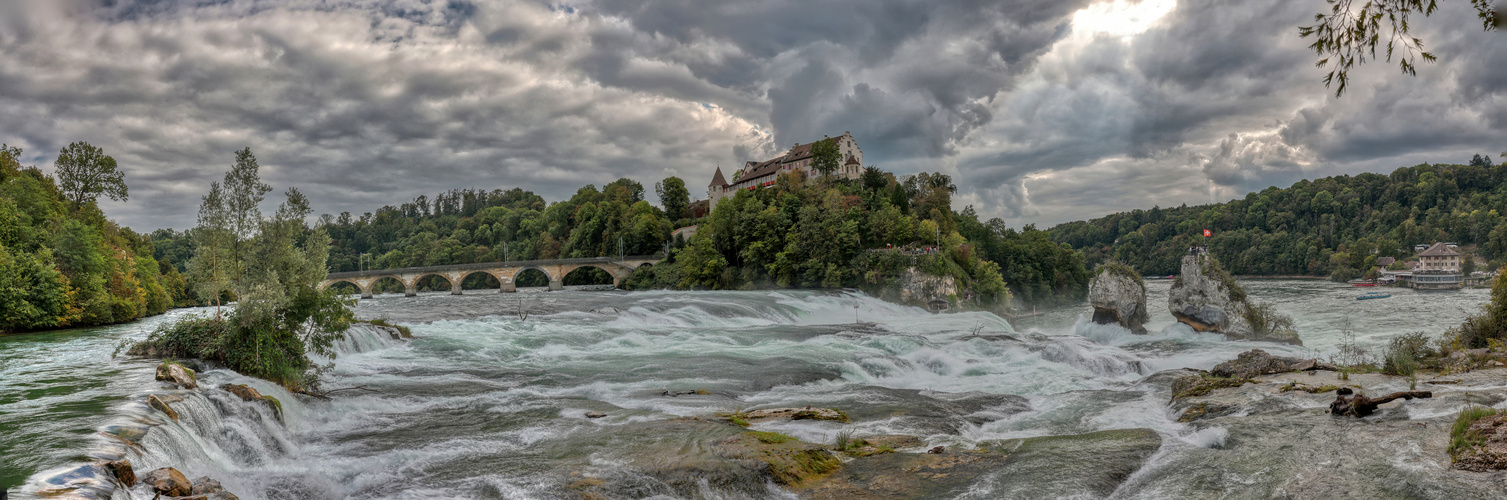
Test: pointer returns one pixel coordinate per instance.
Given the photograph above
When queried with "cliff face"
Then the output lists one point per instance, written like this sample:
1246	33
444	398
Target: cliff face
917	288
1207	299
1118	298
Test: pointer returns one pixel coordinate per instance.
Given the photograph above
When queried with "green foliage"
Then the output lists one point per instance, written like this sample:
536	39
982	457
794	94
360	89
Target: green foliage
772	437
84	172
1267	321
1489	325
1347	36
674	197
1463	439
62	263
825	156
1299	230
1406	353
272	265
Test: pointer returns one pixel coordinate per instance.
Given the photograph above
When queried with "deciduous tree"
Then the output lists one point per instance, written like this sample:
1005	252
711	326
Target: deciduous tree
84	172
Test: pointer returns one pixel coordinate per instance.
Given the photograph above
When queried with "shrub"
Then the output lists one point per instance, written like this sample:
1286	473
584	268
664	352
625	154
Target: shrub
1267	321
1405	353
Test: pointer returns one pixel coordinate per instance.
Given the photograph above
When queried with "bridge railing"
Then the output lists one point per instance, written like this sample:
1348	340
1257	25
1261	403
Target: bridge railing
490	265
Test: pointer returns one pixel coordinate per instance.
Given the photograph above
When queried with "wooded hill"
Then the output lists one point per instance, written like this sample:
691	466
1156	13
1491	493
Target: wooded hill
1335	226
62	263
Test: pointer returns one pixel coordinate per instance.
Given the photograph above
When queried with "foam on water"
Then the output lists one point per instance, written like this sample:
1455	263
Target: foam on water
484	403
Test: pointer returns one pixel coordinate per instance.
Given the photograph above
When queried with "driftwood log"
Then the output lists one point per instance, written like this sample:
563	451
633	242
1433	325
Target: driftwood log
1358	405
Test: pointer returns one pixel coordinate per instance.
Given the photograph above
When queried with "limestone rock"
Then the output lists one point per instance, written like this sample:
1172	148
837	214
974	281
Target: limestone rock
245	392
177	374
1118	297
918	287
122	471
1208	299
159	404
1489	451
807	413
1256	362
168	481
248	393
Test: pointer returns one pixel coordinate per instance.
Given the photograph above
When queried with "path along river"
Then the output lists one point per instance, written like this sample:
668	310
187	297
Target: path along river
483	404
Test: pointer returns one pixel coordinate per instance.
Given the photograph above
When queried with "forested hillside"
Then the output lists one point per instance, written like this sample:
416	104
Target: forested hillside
793	234
62	263
1334	226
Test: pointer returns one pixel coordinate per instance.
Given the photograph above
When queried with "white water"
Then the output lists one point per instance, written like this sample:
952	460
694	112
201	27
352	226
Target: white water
485	405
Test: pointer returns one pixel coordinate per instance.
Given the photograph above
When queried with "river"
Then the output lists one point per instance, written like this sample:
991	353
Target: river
484	404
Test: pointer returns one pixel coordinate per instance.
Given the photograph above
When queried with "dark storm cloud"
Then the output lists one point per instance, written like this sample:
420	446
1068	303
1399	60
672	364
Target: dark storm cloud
361	103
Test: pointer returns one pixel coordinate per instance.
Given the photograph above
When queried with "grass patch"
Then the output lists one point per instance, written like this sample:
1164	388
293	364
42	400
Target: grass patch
772	437
407	334
1295	386
1462	438
1187	387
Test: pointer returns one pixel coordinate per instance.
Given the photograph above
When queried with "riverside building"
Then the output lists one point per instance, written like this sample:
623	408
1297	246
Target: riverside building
756	174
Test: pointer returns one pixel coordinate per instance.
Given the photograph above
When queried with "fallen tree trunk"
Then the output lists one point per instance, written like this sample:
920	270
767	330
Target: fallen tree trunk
1358	405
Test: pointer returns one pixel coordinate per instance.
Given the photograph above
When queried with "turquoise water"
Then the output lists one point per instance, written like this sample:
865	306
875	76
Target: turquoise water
484	404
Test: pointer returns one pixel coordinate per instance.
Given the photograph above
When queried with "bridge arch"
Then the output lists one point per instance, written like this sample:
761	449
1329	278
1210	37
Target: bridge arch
589	272
495	280
418	277
518	279
365	291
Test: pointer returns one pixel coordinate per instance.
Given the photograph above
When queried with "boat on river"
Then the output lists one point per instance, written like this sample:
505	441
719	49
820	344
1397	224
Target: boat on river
1373	295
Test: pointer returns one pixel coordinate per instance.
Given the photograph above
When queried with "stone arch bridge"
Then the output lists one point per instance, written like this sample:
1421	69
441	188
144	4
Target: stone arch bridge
555	269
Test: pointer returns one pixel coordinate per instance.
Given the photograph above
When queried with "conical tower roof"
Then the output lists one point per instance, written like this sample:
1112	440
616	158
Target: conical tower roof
717	179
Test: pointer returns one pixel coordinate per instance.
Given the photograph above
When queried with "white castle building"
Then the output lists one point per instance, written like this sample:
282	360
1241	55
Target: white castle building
756	174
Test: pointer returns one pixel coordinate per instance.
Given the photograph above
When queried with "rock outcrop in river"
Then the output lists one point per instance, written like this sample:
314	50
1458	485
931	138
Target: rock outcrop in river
1207	298
1118	296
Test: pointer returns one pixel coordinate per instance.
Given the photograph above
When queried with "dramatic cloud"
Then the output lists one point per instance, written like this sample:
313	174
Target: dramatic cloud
1043	110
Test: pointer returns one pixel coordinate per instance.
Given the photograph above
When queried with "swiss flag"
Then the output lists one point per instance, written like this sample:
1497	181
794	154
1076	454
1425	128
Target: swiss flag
1208	233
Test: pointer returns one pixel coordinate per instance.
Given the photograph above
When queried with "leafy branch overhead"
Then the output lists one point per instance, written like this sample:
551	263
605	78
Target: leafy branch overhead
1346	35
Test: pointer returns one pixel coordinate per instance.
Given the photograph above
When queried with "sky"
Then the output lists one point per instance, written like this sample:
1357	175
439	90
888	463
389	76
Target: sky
1042	111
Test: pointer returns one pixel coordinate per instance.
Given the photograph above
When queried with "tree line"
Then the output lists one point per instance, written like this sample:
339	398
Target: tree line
800	234
1334	226
62	263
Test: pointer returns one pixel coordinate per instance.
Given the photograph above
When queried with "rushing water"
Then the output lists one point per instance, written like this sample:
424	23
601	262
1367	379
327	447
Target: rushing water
483	404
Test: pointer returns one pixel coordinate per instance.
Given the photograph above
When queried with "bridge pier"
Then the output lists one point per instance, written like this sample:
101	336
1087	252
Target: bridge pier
508	287
556	285
410	291
455	289
366	293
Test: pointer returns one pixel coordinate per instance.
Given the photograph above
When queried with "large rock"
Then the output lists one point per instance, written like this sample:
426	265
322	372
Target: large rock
1208	299
156	402
168	481
1256	362
1119	297
177	374
122	471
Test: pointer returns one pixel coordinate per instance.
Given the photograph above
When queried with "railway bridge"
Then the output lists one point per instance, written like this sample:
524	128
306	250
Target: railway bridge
505	272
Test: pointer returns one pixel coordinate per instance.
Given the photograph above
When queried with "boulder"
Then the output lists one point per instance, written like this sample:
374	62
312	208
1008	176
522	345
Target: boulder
122	471
1485	445
1207	298
807	413
1256	362
245	392
248	393
168	481
178	374
1119	297
158	403
595	414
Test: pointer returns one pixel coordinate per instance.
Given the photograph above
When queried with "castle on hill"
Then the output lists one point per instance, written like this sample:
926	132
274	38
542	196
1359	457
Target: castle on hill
756	174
